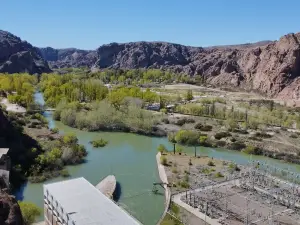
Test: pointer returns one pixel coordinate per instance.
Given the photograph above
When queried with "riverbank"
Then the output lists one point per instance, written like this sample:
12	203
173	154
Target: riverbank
10	107
164	179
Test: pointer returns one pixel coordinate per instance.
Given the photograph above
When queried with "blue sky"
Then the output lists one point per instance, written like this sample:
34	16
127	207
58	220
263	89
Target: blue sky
87	24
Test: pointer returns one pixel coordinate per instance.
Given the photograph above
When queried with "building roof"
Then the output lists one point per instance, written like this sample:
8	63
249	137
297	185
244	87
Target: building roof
3	151
86	205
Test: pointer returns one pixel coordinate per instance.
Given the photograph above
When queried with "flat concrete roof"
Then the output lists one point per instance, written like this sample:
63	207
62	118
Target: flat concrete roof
3	151
86	205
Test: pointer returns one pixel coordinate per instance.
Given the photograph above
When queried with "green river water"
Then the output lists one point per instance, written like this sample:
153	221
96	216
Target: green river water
131	158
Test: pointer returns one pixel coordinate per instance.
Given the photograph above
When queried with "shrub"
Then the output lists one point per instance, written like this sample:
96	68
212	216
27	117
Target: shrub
198	126
165	111
174	170
99	143
252	150
189	120
165	120
210	163
68	117
179	149
234	166
237	145
35	123
163	160
187	137
55	130
65	173
171	137
206	128
184	184
263	135
29	212
221	135
294	135
255	138
221	143
219	175
161	148
202	139
70	139
180	122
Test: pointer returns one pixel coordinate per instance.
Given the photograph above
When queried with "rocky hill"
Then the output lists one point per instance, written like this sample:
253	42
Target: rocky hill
69	57
10	213
268	67
271	68
19	56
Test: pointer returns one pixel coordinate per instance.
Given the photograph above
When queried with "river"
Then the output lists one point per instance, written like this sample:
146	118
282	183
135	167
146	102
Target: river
131	158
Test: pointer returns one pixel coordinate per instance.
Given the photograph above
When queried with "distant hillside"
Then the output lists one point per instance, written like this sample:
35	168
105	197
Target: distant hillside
69	57
19	56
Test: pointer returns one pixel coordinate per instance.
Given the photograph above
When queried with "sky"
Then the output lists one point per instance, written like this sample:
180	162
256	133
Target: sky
87	24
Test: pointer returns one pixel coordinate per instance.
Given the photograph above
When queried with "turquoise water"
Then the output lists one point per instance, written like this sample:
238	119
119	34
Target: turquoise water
131	158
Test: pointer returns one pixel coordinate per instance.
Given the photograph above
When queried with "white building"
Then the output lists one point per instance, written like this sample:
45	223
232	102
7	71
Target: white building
78	202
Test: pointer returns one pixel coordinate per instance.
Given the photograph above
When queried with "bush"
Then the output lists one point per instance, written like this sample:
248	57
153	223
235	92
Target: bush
180	122
198	126
70	139
99	143
219	175
165	120
174	170
55	130
65	173
29	212
221	143
221	135
165	111
163	160
234	166
184	184
237	145
189	120
255	138
187	137
206	128
294	135
178	149
161	148
171	137
202	139
263	135
252	150
210	163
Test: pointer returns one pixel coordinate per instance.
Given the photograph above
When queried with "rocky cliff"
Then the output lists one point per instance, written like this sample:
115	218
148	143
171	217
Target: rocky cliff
271	68
10	212
19	56
69	57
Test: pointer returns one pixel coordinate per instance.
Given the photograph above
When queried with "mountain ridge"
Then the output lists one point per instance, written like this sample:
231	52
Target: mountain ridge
269	67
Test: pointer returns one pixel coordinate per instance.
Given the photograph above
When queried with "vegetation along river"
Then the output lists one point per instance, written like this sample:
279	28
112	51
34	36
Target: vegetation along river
131	158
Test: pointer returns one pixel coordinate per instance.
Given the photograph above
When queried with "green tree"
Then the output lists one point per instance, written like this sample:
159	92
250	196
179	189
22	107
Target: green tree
161	148
189	95
203	139
29	212
232	124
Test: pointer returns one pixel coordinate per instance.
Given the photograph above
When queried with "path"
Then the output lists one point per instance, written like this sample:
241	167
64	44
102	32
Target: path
12	107
163	177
